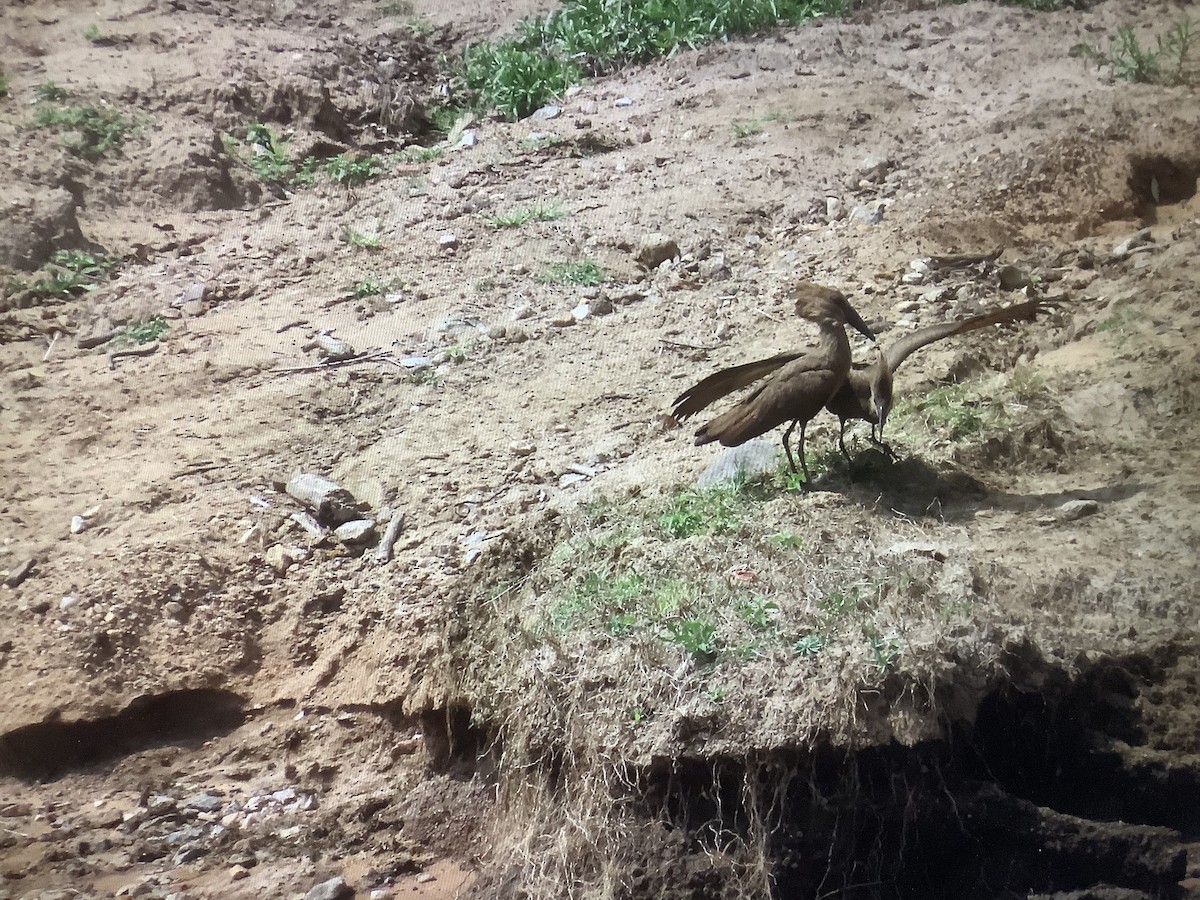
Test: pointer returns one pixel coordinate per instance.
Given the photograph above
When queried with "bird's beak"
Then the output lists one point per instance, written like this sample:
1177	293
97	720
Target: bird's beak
881	411
856	320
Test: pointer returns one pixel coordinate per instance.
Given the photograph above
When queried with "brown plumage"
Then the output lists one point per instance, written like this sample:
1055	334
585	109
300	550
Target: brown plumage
799	386
867	391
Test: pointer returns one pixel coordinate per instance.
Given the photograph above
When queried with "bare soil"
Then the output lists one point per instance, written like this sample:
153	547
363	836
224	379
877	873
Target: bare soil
199	701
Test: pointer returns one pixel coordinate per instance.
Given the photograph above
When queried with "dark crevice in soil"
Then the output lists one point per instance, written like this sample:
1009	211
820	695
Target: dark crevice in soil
1056	787
177	718
1161	181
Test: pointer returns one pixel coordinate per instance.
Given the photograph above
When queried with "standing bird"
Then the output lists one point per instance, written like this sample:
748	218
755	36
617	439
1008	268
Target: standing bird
867	391
795	393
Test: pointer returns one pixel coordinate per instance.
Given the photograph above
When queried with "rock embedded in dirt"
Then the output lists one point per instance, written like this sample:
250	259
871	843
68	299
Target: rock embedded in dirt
755	457
333	889
358	531
331	348
42	223
1013	278
20	572
655	249
867	214
1140	241
447	242
834	209
546	113
329	500
1073	510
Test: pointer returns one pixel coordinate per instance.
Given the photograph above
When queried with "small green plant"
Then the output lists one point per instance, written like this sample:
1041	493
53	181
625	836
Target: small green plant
93	131
583	272
517	80
417	155
306	173
3	85
352	172
637	715
883	651
621	624
70	272
785	540
809	645
1124	321
146	331
1169	62
697	638
712	511
268	158
138	333
49	92
93	34
743	130
362	240
538	212
366	287
716	693
838	604
442	119
540	141
759	613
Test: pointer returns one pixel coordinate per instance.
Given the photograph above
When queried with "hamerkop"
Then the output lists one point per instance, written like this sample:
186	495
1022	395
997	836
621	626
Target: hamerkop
867	391
796	392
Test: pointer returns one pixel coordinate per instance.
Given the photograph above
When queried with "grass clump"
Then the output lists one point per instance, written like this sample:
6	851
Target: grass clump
743	130
582	272
596	37
69	273
1124	321
1170	61
3	85
538	212
92	131
416	155
714	511
971	410
343	169
362	240
368	286
49	92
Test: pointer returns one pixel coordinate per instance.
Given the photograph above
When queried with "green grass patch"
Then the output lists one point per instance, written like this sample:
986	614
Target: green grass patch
1170	61
1122	322
93	34
596	37
346	170
366	287
138	333
68	274
581	272
538	212
92	131
415	155
442	119
743	130
49	92
362	240
713	511
4	86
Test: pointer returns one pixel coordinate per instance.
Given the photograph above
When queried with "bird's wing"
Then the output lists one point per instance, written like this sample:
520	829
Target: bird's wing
796	392
725	382
903	348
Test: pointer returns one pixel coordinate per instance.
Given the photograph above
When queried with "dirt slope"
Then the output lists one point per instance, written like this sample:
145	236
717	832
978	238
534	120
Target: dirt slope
186	709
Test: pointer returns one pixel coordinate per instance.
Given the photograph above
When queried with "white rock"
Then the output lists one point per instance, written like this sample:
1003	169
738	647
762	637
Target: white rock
78	524
834	208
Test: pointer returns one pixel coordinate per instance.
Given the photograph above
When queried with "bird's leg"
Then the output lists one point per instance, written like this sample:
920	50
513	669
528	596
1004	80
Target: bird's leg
787	436
842	444
803	461
878	442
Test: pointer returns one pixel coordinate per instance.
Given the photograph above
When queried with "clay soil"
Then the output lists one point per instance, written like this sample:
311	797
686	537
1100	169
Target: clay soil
199	700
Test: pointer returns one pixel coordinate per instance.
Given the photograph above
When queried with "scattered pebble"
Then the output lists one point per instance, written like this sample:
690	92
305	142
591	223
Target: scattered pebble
78	524
546	113
1013	278
67	603
834	209
754	457
237	873
330	501
1139	241
447	242
623	102
867	214
19	572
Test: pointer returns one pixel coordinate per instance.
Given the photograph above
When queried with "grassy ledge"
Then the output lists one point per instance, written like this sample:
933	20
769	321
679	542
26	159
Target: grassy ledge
597	37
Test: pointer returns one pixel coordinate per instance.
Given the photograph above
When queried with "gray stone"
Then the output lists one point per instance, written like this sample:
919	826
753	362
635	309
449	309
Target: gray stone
329	500
1138	241
1013	278
834	209
447	242
333	889
655	249
360	531
196	291
19	572
468	140
546	113
581	312
204	802
415	362
755	457
78	524
866	214
1076	509
623	102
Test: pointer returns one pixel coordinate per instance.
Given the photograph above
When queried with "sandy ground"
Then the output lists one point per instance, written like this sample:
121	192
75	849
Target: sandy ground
169	654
